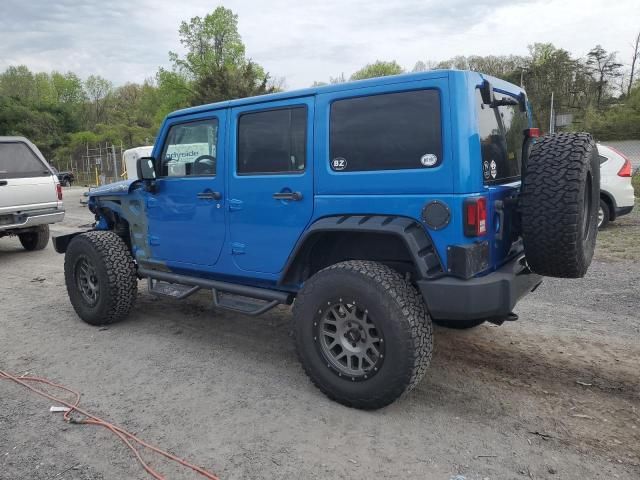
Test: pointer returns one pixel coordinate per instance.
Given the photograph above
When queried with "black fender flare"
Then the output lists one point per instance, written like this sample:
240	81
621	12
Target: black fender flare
413	234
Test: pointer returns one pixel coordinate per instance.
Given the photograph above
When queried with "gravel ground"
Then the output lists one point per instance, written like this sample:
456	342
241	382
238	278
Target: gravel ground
553	395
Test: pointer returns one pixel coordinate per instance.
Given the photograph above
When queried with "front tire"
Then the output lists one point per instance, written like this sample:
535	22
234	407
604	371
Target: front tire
363	334
36	239
101	277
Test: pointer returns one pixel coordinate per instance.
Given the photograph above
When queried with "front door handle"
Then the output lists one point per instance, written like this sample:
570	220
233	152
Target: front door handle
209	195
295	196
3	183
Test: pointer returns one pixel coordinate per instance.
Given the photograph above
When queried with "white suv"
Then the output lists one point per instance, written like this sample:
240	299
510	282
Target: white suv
616	191
30	193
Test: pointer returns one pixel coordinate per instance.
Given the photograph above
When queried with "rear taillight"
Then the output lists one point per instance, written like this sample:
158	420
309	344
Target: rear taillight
475	216
532	132
625	171
59	191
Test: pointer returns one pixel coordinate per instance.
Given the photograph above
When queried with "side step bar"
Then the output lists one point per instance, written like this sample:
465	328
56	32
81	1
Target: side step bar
254	300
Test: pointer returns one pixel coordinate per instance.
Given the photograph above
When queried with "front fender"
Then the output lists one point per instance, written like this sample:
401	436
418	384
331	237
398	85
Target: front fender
123	187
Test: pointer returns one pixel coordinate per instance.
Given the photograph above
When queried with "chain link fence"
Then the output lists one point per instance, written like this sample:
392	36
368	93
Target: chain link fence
630	148
97	164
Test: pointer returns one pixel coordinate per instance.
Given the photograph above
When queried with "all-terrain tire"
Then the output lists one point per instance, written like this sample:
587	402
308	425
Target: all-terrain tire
459	324
400	317
35	240
112	275
559	204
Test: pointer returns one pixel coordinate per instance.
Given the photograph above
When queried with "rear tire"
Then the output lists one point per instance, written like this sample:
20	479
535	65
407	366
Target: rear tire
35	240
101	277
559	204
362	333
604	215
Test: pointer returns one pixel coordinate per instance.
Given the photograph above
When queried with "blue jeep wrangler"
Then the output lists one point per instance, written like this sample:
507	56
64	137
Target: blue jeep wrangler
374	207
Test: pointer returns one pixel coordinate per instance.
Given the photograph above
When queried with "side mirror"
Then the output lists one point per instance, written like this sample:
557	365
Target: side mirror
486	91
146	169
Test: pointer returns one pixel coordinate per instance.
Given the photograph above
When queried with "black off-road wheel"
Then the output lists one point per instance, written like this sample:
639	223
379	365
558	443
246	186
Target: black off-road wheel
559	204
363	334
459	324
36	239
101	277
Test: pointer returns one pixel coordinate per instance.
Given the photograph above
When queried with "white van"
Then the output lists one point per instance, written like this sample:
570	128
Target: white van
30	193
130	158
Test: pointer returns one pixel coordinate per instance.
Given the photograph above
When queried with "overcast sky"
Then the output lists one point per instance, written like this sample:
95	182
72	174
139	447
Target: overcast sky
304	40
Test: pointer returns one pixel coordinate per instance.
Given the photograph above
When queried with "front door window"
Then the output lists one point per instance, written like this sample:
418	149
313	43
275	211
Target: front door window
190	149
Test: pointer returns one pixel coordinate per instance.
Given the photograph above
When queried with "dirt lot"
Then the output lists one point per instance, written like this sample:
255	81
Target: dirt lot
553	395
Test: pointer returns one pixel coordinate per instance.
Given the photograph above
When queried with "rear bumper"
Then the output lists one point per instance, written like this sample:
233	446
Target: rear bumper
623	211
488	297
32	219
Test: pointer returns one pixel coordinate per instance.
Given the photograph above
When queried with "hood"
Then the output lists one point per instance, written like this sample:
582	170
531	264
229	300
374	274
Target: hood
117	188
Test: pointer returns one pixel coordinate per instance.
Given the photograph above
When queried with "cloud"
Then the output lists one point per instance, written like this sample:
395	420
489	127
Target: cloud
127	40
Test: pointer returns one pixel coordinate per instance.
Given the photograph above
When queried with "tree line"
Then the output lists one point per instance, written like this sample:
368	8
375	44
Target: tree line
62	113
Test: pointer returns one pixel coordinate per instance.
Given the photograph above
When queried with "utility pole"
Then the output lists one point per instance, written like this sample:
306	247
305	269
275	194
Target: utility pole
115	162
551	117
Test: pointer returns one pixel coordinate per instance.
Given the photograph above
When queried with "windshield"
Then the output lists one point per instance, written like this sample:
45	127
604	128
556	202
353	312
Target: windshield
18	161
502	138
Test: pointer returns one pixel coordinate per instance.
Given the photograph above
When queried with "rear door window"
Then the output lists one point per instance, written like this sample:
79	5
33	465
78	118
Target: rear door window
18	161
386	132
272	141
501	140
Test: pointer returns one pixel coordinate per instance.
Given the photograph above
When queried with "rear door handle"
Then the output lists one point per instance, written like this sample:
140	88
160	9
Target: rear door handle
3	183
295	196
209	195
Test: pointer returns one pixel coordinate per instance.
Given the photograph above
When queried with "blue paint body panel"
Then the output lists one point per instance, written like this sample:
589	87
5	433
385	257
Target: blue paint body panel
247	236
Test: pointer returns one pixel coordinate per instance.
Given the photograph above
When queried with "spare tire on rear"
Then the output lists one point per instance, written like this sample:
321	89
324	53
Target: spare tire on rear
559	204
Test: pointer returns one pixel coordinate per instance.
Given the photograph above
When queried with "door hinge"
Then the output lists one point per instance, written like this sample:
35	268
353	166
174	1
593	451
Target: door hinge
237	248
235	204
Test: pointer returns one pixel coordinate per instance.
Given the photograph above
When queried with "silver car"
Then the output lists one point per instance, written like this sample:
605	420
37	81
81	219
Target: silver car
30	193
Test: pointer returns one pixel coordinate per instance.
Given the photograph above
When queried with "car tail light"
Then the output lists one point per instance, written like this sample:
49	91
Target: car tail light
59	191
475	216
625	171
532	132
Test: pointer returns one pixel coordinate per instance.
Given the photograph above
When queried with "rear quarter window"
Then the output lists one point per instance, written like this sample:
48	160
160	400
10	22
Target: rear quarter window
502	138
17	160
386	132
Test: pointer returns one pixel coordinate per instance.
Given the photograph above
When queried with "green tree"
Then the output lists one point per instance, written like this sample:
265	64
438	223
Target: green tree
378	69
215	66
604	67
98	91
18	83
68	88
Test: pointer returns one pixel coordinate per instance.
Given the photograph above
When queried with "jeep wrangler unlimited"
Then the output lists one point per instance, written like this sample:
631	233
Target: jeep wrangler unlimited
374	207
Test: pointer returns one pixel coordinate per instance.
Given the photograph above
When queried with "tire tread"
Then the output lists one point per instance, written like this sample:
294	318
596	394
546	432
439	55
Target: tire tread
415	319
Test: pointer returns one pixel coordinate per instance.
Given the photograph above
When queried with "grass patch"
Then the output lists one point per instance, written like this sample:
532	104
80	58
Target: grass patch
620	240
635	181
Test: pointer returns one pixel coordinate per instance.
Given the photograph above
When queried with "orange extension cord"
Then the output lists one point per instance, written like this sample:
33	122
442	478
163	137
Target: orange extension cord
93	420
